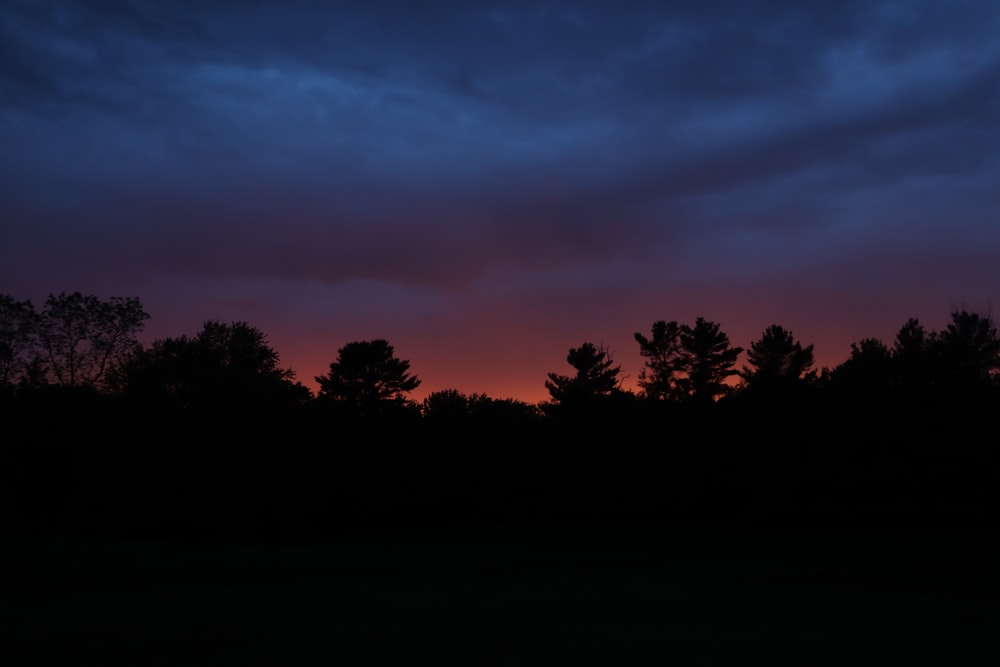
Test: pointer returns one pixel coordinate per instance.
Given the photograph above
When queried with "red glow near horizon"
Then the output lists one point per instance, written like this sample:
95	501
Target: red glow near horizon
505	348
523	380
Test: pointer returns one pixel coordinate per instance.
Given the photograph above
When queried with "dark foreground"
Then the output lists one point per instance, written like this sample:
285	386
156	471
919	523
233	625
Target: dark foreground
539	595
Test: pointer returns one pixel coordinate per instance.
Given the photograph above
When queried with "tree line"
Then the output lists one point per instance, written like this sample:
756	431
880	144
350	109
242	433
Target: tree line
208	434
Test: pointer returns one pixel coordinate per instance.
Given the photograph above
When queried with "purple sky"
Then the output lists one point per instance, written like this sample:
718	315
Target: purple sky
488	185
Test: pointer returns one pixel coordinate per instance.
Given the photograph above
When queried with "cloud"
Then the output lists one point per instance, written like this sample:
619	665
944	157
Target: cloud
541	157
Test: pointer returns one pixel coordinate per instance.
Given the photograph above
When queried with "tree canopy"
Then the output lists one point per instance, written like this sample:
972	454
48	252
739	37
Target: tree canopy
665	360
685	362
210	430
223	364
367	377
75	341
17	336
777	359
596	376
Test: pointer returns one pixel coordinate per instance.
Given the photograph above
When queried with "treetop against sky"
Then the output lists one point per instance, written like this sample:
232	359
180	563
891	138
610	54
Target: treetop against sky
81	341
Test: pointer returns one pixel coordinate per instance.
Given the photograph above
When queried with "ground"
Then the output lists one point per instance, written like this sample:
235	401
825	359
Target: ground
514	595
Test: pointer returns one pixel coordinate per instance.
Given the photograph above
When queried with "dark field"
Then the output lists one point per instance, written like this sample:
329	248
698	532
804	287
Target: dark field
567	594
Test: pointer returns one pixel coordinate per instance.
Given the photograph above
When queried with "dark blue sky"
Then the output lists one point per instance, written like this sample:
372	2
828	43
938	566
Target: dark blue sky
489	184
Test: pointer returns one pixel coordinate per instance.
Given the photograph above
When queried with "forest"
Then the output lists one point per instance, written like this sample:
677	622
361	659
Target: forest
207	437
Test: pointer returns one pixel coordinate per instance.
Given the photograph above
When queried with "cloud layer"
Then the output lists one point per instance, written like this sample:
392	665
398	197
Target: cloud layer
488	186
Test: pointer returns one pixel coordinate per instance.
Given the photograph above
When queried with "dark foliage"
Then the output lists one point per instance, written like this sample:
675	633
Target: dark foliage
597	377
709	360
665	360
778	362
208	437
76	340
367	379
17	339
687	363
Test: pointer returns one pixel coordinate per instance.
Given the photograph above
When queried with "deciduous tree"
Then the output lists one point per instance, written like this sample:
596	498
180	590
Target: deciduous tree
223	368
867	373
82	338
17	337
970	347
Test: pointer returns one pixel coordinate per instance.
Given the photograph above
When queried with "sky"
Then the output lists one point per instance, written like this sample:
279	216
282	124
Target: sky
486	185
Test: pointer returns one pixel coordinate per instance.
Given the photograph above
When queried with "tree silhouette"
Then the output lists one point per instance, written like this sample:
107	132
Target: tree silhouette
776	359
448	407
17	338
225	368
230	442
665	360
912	341
970	347
867	373
219	418
367	378
596	376
477	426
709	360
916	361
82	338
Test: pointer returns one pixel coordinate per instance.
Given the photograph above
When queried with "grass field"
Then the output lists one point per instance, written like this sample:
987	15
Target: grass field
552	595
